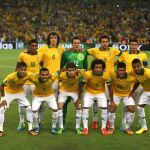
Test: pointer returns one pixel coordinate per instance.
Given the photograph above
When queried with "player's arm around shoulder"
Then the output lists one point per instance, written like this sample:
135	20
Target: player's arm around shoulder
91	51
116	51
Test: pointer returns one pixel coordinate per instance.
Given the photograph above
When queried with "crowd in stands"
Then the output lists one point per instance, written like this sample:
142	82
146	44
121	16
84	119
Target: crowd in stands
122	20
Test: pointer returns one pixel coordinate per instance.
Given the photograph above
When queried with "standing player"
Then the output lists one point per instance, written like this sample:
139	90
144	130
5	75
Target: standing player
43	93
108	55
32	59
122	83
127	58
69	84
79	58
94	82
133	53
51	55
12	89
143	77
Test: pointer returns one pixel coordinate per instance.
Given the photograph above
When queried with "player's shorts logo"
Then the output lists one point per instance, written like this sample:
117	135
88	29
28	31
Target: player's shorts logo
80	57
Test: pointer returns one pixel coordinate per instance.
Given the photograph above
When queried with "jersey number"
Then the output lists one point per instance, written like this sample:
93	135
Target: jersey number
76	63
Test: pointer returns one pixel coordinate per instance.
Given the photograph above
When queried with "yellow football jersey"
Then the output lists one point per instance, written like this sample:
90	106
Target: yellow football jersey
122	87
42	89
51	57
95	84
69	84
127	58
144	79
14	84
108	56
32	62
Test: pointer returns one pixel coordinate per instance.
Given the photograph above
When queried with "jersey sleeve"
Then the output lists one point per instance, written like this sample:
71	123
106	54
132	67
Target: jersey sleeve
41	52
117	52
145	61
122	57
91	51
54	76
7	80
148	74
107	78
61	76
85	77
31	76
21	56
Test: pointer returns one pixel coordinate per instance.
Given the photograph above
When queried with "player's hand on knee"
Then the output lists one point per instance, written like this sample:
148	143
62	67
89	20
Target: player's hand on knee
60	105
131	109
78	104
3	104
112	107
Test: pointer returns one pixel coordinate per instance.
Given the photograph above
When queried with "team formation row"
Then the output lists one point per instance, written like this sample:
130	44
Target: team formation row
64	76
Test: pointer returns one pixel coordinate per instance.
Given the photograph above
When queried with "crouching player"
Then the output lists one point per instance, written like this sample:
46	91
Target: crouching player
122	83
12	89
143	77
94	82
43	93
69	84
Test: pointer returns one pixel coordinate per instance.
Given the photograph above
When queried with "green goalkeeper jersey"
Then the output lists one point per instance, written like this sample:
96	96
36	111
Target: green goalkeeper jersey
79	58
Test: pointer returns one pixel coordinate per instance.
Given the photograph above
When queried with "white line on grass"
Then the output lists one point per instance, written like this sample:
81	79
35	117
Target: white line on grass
6	67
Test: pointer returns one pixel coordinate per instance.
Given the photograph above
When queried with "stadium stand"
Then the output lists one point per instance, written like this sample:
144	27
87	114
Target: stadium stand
23	20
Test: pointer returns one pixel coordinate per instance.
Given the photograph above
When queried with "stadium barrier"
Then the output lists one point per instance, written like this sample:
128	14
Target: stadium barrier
21	45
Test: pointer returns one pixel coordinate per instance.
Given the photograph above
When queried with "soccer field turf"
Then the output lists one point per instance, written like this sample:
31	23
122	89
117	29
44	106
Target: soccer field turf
14	140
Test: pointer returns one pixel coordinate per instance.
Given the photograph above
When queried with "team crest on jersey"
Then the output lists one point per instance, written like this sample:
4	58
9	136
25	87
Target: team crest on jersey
80	57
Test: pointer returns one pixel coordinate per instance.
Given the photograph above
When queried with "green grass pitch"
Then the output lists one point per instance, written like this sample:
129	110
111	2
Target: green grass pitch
14	140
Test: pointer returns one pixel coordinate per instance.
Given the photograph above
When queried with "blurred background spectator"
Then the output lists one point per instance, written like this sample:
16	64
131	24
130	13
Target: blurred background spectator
121	20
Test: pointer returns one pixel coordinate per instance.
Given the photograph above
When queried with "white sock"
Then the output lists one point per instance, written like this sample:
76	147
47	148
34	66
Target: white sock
124	114
130	118
41	112
2	113
111	118
35	119
104	118
78	118
85	117
141	114
54	119
29	118
21	110
95	111
60	118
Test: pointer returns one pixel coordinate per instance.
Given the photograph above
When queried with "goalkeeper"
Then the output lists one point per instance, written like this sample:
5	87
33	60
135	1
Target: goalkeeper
77	56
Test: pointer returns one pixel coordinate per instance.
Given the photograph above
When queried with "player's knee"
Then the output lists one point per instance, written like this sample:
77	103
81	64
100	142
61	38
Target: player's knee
78	106
34	111
60	105
55	110
131	109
